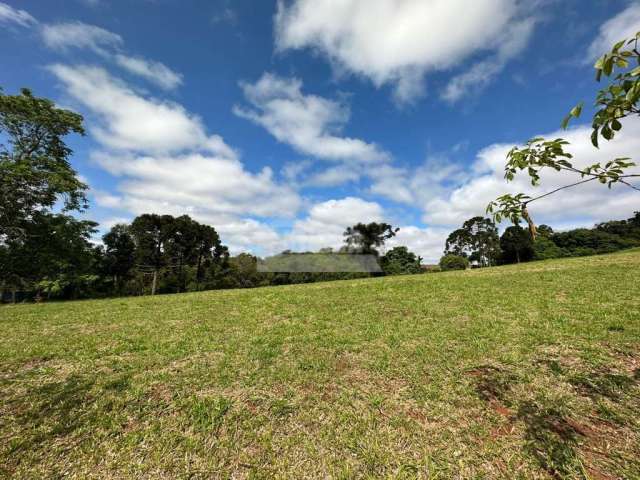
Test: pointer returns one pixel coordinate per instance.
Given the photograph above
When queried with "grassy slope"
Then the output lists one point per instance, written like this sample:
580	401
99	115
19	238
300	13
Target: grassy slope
517	372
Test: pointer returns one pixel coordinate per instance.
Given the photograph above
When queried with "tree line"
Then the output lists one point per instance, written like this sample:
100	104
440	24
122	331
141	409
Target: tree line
478	244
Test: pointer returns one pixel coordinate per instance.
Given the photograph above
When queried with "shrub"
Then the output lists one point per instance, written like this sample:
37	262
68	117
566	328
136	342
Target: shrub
453	262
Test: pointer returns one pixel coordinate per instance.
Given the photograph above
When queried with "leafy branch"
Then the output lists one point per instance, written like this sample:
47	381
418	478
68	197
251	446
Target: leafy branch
613	103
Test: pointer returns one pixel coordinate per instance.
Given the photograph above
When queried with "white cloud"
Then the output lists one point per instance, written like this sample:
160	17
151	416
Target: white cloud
155	72
167	163
206	184
624	25
327	221
71	35
309	123
478	77
394	42
583	205
425	242
437	175
65	36
10	15
128	121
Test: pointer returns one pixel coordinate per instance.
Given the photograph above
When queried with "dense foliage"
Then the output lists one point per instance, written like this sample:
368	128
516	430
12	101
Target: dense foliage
453	262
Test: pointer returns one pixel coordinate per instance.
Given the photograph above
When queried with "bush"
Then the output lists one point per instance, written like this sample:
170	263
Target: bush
453	262
400	261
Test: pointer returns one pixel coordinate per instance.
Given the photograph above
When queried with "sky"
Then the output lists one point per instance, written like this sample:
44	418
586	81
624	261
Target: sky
280	123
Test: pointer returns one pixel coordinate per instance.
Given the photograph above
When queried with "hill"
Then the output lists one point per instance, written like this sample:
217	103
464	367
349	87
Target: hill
528	371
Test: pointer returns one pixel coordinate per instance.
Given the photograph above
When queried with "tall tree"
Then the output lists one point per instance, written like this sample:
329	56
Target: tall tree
477	240
34	160
119	254
150	233
368	237
516	245
620	99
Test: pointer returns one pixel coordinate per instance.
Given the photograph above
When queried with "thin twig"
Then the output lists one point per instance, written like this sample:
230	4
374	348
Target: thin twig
629	185
558	189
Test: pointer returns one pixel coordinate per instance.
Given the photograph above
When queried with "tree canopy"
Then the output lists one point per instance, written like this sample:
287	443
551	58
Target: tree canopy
367	238
35	171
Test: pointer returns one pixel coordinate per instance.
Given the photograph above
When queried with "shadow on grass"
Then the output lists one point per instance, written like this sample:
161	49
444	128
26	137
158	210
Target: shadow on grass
552	438
53	410
602	384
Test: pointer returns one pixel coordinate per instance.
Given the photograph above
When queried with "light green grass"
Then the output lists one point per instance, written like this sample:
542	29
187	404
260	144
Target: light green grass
528	371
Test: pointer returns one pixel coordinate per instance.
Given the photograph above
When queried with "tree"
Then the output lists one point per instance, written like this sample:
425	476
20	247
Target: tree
400	261
211	254
54	254
477	240
367	238
119	254
615	102
34	163
150	233
516	245
453	262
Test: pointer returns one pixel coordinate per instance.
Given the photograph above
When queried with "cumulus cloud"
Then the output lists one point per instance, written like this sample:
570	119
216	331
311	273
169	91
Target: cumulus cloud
480	75
167	163
197	183
425	242
393	42
309	123
326	222
583	205
70	35
624	25
129	121
437	175
10	15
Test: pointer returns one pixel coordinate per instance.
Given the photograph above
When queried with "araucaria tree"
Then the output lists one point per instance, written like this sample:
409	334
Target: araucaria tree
368	237
620	99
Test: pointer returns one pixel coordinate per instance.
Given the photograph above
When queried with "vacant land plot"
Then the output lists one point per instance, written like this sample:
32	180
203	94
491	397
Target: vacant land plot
528	371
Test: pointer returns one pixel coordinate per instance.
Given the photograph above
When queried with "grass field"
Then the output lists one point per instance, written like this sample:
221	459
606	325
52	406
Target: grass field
528	371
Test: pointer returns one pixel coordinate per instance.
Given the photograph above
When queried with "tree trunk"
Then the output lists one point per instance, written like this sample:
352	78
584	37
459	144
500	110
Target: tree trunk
517	256
198	272
154	282
13	295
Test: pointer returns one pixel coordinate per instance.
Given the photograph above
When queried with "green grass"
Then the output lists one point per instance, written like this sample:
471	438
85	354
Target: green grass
528	371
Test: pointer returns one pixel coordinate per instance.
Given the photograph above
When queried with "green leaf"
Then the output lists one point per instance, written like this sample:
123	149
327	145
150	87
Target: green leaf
594	138
616	125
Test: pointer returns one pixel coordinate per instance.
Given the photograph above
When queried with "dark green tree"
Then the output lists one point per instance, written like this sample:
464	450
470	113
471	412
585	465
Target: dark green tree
150	233
477	240
516	245
34	160
53	255
367	238
119	255
453	262
400	261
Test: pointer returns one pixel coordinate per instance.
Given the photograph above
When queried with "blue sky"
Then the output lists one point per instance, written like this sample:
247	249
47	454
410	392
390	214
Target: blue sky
282	123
